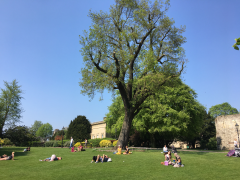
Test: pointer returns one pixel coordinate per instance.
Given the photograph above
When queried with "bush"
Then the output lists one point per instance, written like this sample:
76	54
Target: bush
212	143
67	144
7	141
105	143
115	143
95	142
49	144
56	144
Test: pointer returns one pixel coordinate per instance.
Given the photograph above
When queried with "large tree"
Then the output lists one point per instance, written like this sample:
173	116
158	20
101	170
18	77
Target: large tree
79	129
45	131
36	125
134	48
174	112
10	104
222	109
237	44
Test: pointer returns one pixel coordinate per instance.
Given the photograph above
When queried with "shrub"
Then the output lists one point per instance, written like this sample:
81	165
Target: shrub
7	141
77	144
1	141
55	144
95	142
105	143
49	144
212	143
67	144
115	143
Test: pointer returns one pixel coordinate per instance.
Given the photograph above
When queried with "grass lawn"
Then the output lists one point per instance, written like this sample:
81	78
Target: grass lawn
139	165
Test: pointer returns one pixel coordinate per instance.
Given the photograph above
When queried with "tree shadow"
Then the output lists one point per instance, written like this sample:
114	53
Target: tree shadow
8	151
190	152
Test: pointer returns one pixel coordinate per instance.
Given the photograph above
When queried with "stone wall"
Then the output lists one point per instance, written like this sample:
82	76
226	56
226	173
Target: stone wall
226	131
99	130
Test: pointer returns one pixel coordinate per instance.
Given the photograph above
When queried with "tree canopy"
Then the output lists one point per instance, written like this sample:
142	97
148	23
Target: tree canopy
134	48
36	125
79	129
173	112
45	130
10	104
222	109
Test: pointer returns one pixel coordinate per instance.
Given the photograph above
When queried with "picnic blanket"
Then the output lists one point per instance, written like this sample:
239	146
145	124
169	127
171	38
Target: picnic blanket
231	153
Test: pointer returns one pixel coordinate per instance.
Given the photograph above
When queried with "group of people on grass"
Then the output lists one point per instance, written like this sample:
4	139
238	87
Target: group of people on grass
168	157
103	158
119	150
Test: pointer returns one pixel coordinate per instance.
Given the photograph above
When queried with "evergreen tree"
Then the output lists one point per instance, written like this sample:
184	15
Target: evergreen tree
79	129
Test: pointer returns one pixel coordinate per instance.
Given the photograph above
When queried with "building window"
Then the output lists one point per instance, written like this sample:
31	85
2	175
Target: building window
97	136
102	135
93	137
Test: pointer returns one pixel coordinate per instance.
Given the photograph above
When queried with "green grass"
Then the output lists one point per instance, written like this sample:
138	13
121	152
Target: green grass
139	165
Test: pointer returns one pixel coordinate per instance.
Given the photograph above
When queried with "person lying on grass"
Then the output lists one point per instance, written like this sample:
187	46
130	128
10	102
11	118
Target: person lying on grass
8	157
3	156
105	158
52	158
96	159
27	149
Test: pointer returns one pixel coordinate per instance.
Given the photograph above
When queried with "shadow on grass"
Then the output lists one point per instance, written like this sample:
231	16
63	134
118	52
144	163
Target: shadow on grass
8	151
189	152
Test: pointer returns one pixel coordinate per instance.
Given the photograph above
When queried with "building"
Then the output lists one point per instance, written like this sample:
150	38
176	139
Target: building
99	130
227	130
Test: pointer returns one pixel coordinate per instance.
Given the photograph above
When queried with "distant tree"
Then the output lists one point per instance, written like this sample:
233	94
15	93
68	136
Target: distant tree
10	102
44	131
36	125
236	44
19	135
222	109
79	129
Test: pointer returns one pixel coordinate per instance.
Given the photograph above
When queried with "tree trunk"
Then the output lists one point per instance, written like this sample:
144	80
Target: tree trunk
124	134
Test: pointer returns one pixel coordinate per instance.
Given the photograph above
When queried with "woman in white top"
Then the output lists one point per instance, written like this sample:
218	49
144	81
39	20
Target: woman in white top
165	150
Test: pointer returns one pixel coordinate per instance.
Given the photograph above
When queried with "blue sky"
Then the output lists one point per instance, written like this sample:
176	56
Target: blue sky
39	46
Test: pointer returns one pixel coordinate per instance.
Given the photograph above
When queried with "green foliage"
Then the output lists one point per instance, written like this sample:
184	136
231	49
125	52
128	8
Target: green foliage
7	141
79	129
95	142
19	135
115	143
134	48
105	143
36	125
67	144
212	143
222	109
45	130
56	144
10	102
172	112
237	44
49	143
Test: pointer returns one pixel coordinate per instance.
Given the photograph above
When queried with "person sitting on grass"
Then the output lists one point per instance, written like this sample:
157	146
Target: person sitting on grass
127	151
119	150
52	158
80	148
8	157
178	160
96	159
168	157
165	150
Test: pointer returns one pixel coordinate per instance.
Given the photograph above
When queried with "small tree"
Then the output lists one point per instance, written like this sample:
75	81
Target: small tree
44	131
36	125
10	102
79	129
222	109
